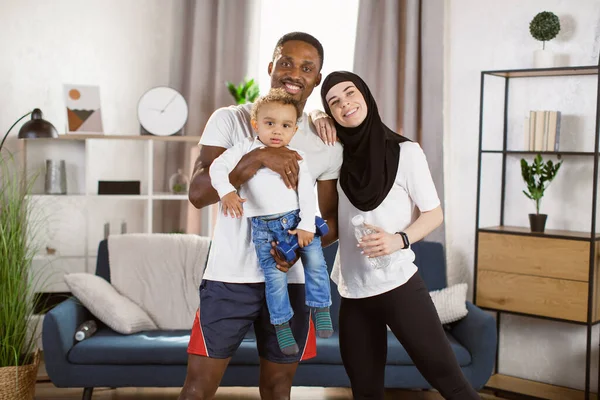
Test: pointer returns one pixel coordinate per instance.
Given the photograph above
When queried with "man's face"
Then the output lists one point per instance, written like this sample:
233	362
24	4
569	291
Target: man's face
296	69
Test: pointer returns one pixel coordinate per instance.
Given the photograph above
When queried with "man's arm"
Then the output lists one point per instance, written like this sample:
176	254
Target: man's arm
328	204
283	161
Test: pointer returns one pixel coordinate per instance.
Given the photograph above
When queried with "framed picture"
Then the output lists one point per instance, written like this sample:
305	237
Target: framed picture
83	109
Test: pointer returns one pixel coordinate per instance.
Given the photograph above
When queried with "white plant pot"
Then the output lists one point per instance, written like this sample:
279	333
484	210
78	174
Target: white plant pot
543	59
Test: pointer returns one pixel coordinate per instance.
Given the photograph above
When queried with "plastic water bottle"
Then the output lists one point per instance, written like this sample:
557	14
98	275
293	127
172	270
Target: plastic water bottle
361	230
85	330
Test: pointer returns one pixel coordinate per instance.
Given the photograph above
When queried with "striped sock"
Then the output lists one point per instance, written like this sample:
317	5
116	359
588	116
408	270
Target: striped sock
286	340
323	322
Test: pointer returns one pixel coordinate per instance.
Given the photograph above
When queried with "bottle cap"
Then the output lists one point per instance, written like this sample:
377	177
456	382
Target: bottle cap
358	220
79	336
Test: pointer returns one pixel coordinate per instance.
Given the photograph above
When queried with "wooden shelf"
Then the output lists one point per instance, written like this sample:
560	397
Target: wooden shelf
542	72
550	233
80	137
155	196
556	153
510	384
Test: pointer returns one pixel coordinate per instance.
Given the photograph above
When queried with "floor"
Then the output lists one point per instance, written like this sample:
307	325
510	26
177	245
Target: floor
47	391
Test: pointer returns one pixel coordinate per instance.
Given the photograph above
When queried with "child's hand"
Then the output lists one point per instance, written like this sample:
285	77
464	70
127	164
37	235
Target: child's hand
304	237
232	205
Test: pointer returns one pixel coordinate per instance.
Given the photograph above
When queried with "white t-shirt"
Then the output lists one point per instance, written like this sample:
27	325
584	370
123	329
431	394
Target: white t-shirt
265	192
232	256
413	187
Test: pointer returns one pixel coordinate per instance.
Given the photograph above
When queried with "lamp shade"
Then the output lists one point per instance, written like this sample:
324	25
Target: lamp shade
37	127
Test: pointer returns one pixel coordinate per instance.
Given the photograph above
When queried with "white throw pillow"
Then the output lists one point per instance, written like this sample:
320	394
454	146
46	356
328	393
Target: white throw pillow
109	306
450	302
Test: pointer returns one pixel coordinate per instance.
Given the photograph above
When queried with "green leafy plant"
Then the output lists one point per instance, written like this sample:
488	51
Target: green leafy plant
17	280
538	176
544	27
245	92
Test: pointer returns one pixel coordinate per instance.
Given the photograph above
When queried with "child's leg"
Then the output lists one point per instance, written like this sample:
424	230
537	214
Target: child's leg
318	287
276	294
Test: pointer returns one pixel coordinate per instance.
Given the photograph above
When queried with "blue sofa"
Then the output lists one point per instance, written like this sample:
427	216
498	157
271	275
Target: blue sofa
158	358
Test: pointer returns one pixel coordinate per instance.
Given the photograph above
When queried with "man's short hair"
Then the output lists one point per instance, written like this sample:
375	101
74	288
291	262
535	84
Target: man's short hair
303	37
278	96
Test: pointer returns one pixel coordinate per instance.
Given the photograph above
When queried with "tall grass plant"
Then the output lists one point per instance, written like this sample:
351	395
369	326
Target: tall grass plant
18	282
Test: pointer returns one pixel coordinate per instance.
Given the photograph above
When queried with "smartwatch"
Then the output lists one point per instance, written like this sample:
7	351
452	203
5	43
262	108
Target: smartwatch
404	237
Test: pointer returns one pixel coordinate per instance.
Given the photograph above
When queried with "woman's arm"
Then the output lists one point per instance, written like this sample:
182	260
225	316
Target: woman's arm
381	242
426	223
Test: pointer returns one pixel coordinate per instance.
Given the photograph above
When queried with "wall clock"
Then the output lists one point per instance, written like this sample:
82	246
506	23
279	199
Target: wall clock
162	111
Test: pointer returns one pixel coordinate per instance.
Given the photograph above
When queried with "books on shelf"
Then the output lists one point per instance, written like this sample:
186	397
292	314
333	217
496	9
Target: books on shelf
542	131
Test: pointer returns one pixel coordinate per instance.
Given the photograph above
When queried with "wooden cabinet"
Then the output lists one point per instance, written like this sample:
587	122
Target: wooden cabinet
535	275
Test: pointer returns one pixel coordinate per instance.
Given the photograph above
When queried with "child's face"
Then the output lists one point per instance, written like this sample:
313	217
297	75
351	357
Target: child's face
275	124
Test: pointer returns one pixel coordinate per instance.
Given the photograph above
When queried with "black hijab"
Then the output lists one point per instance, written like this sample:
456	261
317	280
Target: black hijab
371	150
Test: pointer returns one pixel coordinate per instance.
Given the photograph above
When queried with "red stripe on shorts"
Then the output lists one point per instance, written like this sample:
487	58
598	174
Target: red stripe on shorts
197	345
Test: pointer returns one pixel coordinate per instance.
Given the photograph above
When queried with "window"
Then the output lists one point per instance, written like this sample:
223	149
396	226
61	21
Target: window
332	22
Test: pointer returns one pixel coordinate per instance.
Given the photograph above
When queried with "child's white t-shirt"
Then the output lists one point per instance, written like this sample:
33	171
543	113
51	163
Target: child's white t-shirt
266	193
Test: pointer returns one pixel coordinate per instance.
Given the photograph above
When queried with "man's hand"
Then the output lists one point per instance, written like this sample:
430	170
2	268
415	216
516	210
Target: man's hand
282	265
304	237
283	161
380	243
233	205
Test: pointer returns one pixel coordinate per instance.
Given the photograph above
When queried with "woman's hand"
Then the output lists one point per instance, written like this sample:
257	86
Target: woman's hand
325	127
232	205
380	243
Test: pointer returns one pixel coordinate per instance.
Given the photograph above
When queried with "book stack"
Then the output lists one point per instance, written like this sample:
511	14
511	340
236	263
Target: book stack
542	131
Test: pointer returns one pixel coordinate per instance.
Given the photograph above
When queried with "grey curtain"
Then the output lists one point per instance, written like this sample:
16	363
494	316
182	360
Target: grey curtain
213	48
399	53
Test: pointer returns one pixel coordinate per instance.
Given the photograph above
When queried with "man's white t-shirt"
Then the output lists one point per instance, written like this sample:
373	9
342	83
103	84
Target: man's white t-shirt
266	193
232	256
413	187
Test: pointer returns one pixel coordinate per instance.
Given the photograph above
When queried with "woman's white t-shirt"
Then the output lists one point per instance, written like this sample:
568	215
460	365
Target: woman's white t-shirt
413	191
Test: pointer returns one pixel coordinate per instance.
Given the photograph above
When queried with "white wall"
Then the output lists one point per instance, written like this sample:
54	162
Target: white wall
487	35
125	47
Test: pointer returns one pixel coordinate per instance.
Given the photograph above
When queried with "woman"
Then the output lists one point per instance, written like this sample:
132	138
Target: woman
384	177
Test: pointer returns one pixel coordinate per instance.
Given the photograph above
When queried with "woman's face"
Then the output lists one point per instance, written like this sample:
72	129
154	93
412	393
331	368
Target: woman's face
347	104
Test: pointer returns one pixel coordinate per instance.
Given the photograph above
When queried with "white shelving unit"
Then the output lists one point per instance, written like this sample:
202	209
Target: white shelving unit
73	224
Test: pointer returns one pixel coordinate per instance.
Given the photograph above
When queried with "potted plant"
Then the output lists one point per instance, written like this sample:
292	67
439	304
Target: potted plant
19	357
538	176
544	27
245	92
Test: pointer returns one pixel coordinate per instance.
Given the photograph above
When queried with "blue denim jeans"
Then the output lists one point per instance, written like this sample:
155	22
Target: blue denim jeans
267	229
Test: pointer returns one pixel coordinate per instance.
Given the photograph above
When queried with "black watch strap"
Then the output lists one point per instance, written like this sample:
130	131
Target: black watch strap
404	237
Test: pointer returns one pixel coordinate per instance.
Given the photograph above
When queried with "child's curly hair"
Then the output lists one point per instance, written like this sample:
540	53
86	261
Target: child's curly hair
279	96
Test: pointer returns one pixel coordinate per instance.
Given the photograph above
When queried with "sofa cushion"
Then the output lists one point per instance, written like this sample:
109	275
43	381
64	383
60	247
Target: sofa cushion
328	351
451	303
164	347
107	304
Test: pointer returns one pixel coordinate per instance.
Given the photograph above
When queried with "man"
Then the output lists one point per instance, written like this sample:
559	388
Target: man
232	294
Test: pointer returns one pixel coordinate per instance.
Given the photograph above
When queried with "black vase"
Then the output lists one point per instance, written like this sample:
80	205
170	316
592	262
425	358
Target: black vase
537	222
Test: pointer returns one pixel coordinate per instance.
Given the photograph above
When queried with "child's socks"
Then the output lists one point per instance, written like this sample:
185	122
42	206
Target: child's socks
323	322
286	340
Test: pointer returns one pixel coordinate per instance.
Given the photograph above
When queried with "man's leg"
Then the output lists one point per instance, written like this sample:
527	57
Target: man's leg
203	377
226	312
277	370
